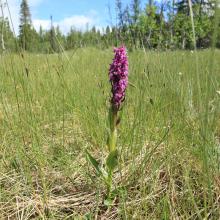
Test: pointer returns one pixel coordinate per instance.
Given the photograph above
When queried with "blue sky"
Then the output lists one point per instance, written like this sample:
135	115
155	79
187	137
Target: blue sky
67	13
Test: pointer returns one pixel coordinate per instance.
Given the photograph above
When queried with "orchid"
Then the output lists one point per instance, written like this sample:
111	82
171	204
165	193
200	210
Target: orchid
118	76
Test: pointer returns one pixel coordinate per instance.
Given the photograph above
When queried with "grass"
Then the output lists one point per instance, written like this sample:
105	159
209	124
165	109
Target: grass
54	107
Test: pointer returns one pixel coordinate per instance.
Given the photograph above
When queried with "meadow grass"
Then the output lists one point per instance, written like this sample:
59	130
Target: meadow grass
54	107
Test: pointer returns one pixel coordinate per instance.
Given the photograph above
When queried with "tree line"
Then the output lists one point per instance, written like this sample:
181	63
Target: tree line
158	25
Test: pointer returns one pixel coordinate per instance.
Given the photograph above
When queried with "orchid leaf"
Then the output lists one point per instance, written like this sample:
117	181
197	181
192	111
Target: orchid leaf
94	162
112	160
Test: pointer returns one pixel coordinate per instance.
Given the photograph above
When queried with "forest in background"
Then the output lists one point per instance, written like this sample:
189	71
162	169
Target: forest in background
159	25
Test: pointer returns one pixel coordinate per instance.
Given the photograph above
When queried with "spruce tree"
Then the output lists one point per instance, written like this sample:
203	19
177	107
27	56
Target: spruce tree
25	29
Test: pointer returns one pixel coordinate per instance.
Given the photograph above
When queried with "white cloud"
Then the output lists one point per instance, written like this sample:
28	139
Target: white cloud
39	22
77	21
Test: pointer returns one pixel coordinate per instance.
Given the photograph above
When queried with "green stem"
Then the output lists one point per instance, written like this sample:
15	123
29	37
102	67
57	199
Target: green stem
113	117
109	186
112	140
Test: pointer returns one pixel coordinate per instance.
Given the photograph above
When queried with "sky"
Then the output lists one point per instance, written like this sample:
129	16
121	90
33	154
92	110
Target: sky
66	13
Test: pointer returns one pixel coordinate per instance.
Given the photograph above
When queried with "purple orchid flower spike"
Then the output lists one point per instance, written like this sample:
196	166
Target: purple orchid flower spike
118	75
